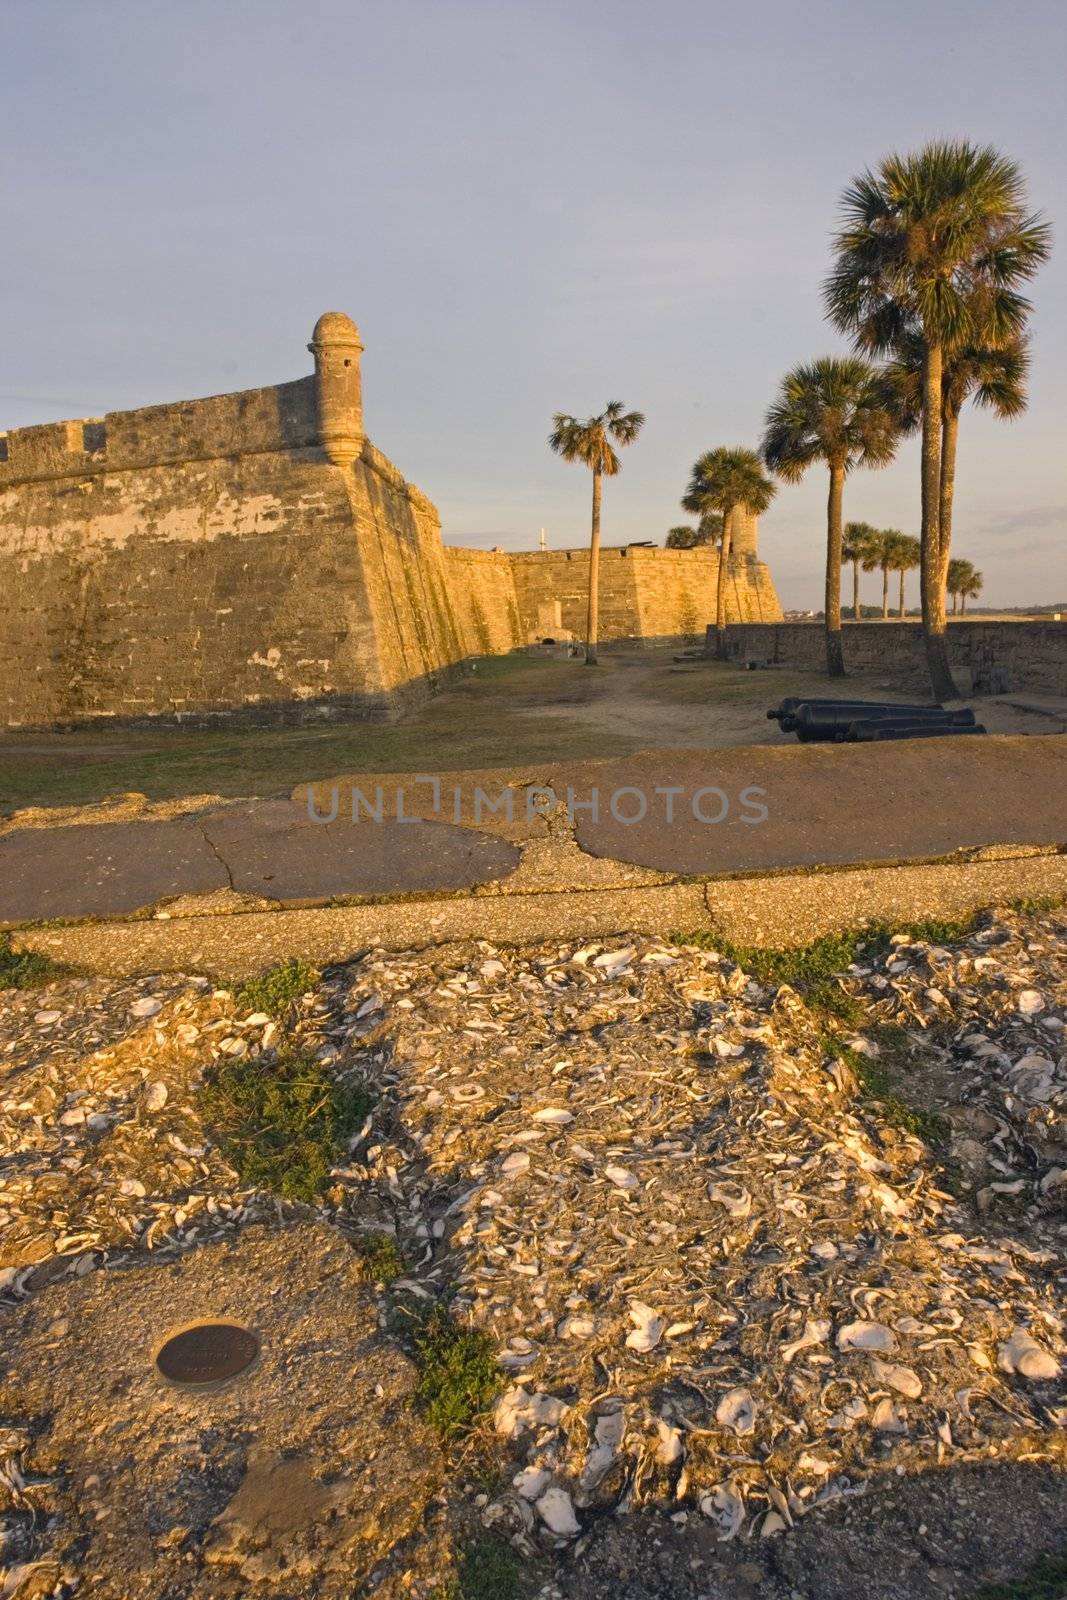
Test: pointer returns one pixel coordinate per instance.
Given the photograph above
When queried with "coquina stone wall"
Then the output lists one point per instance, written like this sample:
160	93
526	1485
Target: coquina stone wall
254	557
985	656
648	596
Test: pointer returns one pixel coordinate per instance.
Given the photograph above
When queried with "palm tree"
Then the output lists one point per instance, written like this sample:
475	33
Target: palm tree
593	442
879	558
970	588
857	543
992	376
685	537
964	583
938	242
905	554
835	410
722	480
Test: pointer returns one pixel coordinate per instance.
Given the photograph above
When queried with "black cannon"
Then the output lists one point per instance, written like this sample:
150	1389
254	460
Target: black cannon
874	730
785	714
864	721
833	722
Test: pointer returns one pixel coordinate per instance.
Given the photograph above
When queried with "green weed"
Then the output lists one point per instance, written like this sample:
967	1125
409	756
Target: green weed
813	970
282	1124
380	1258
877	1084
26	969
275	990
458	1377
488	1570
1045	1581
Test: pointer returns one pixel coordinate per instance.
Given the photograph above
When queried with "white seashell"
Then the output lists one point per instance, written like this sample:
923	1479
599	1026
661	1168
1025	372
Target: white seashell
887	1417
132	1186
826	1250
556	1511
146	1007
621	1178
889	1200
518	1409
531	1482
670	1447
772	1523
648	1329
553	1114
613	961
726	1509
865	1336
45	1018
724	1047
518	1161
1030	1002
492	969
154	1096
576	1328
738	1201
1023	1355
816	1331
902	1379
608	1435
516	1360
845	1420
466	1092
258	1019
737	1410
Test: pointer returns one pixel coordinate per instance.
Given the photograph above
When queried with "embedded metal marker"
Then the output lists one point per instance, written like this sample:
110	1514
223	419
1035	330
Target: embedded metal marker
206	1354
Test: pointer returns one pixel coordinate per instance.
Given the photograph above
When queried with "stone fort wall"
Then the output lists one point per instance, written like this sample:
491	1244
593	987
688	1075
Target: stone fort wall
988	657
254	557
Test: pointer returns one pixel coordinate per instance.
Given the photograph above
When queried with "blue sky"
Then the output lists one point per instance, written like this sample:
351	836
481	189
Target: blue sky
528	206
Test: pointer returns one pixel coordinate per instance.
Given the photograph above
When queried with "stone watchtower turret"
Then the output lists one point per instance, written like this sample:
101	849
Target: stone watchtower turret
337	347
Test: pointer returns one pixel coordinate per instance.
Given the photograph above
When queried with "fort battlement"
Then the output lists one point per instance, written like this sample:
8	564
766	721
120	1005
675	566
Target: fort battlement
253	556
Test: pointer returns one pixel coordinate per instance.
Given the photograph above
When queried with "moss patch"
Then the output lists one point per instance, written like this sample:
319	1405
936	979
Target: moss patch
458	1376
813	970
1046	1581
282	1123
875	1080
26	969
380	1258
274	991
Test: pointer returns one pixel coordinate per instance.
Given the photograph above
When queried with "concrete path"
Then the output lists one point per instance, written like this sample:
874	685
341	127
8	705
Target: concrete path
828	805
269	849
773	911
707	813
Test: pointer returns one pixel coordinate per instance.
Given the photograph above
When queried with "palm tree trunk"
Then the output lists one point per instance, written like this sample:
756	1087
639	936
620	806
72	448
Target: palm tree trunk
950	429
593	618
900	613
835	660
885	593
720	587
933	593
963	605
856	590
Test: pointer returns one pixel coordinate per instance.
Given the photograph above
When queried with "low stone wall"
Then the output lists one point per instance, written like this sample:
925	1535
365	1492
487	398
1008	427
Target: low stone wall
986	657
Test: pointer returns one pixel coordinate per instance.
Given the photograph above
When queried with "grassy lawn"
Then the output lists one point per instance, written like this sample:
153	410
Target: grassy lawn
510	710
475	723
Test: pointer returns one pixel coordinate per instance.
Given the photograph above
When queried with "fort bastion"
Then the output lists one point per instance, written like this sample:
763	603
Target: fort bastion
253	557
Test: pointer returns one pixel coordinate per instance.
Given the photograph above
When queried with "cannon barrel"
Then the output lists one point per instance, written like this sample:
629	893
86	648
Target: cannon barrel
832	722
875	730
786	713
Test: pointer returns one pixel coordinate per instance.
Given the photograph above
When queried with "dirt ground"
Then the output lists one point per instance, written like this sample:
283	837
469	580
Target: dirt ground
508	709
